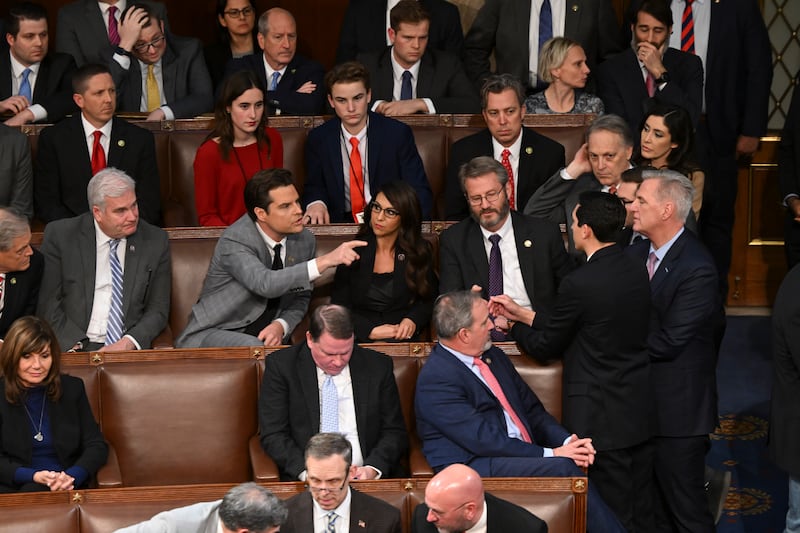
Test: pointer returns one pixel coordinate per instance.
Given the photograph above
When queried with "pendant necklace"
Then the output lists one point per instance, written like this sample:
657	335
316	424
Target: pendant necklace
38	437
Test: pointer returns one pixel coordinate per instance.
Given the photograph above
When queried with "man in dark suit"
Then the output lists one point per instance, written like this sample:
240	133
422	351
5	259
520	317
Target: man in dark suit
330	500
784	425
160	74
531	157
352	155
455	502
20	269
259	281
531	250
366	22
597	166
330	384
16	172
789	176
606	389
35	85
473	408
507	28
409	77
293	83
85	29
72	151
106	273
673	76
683	323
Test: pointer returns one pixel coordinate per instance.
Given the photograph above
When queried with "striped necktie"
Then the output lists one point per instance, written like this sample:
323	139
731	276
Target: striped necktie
115	323
687	28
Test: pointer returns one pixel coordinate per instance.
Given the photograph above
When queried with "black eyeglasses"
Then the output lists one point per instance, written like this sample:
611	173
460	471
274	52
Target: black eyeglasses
388	211
239	13
333	490
490	197
142	48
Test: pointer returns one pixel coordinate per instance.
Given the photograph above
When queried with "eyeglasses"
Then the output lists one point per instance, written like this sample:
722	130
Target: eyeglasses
142	48
490	197
332	490
239	13
439	514
388	211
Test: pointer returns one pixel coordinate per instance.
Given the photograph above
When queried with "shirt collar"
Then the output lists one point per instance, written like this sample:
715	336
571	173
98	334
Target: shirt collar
664	249
270	71
17	67
398	68
343	511
102	239
514	148
88	129
267	239
480	525
121	5
504	231
361	135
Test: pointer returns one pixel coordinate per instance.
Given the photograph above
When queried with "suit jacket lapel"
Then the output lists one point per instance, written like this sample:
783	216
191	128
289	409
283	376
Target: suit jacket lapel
42	80
426	75
361	383
130	275
477	251
384	77
168	75
335	156
307	371
572	18
88	258
664	267
6	87
527	160
525	255
633	77
373	149
95	22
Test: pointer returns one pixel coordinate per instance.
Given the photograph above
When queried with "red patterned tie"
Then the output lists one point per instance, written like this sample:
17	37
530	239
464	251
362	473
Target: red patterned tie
687	28
113	30
98	154
497	390
507	165
650	83
356	181
612	190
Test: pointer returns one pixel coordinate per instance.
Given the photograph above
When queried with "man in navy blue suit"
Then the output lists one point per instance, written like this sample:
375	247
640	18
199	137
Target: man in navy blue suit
349	157
473	407
683	324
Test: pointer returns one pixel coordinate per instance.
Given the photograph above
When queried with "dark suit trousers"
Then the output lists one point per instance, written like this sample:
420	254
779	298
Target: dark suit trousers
599	517
624	479
681	504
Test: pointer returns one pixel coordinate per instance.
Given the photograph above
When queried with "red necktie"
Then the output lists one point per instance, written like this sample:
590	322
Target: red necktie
507	165
98	154
356	181
612	190
113	30
687	28
497	390
650	83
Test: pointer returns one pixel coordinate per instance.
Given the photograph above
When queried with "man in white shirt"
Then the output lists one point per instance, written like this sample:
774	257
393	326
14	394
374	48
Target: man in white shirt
330	505
330	384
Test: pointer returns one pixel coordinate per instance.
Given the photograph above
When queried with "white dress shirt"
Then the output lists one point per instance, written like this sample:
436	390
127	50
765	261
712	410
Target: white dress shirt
558	9
701	16
342	524
397	85
105	139
513	285
513	158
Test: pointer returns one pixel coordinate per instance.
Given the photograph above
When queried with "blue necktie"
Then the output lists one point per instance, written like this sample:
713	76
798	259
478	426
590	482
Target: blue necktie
330	406
114	326
331	527
25	86
273	84
545	24
405	86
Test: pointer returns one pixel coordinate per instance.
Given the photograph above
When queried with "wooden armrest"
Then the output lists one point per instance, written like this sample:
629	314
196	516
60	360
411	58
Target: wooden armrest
264	468
109	475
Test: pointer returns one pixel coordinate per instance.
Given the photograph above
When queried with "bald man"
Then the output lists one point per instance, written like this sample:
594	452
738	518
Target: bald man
455	502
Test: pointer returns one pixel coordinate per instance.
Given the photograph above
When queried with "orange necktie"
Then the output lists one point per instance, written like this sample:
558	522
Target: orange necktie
356	181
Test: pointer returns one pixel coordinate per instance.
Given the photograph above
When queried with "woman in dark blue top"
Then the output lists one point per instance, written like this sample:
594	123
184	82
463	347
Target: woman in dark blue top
390	290
49	439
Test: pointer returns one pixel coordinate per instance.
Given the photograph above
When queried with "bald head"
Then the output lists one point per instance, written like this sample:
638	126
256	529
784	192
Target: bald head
454	498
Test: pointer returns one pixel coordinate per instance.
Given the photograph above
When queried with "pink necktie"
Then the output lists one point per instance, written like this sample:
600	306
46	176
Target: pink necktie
487	374
650	83
652	259
113	30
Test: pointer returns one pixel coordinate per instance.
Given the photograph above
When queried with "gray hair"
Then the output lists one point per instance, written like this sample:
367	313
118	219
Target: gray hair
497	83
13	225
248	506
672	187
613	124
108	183
453	311
324	445
263	20
480	166
553	54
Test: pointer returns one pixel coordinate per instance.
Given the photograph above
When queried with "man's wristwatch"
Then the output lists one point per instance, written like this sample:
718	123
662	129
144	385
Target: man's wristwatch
664	78
121	51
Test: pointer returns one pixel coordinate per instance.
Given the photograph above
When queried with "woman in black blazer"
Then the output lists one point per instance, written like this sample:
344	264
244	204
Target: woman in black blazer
390	290
49	439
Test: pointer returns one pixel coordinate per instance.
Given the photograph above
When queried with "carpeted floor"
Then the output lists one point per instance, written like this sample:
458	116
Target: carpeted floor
757	500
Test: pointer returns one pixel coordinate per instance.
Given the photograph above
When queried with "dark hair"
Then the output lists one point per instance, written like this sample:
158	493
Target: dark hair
257	190
248	506
335	320
658	9
349	72
409	239
224	33
497	83
27	335
603	212
81	77
151	13
408	11
232	88
23	11
633	175
681	131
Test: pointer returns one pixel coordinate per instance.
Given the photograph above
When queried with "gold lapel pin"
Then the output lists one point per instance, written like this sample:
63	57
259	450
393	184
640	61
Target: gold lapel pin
13	281
528	150
527	244
574	8
121	143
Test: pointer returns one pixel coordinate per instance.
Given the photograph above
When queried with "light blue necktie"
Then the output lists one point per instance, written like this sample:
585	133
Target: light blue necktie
331	527
273	84
405	86
114	327
330	406
25	86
